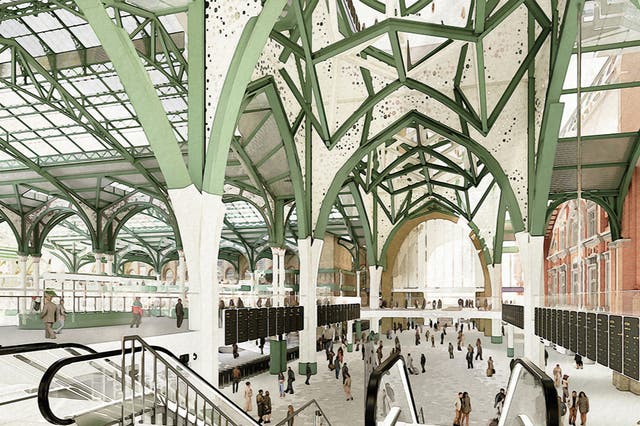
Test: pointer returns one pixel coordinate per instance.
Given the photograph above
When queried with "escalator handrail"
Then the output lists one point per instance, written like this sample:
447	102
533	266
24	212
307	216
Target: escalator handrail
42	346
371	401
154	349
299	410
45	383
548	387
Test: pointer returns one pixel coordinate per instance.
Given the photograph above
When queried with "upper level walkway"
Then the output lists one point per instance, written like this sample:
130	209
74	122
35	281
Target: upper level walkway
455	313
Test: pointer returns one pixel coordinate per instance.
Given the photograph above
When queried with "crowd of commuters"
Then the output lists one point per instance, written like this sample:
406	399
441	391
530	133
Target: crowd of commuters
571	403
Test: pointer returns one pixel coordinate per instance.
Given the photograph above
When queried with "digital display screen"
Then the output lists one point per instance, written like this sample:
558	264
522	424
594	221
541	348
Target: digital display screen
252	324
273	331
536	319
554	325
262	315
592	347
615	343
560	340
573	331
566	326
243	325
230	326
582	333
631	347
603	339
280	318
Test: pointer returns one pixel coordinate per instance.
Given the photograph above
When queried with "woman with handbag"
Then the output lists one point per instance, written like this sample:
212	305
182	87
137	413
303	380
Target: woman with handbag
490	369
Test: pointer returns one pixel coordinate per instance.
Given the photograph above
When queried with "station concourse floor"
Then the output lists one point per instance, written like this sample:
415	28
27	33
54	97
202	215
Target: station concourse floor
436	390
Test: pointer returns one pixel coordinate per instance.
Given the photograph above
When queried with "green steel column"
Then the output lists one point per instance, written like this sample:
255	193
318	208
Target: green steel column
196	99
141	92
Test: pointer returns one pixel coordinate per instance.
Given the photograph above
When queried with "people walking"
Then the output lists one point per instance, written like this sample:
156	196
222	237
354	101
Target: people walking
136	311
458	405
573	407
583	407
290	412
450	350
235	378
423	362
469	357
308	373
346	382
61	314
266	407
179	313
478	349
490	370
417	337
442	338
48	315
565	387
248	396
281	384
499	400
260	405
433	343
379	353
291	377
557	375
336	364
465	409
410	367
578	360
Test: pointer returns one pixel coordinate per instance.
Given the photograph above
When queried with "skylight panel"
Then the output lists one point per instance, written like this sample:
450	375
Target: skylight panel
85	34
13	28
10	124
10	98
88	143
63	144
31	44
40	147
68	18
58	40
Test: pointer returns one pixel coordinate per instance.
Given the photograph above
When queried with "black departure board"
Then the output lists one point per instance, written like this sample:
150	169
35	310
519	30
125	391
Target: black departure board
322	315
582	333
262	320
560	327
543	323
299	310
615	343
566	327
554	325
243	325
592	346
280	317
603	339
548	324
252	324
631	331
273	330
230	326
573	331
536	321
513	314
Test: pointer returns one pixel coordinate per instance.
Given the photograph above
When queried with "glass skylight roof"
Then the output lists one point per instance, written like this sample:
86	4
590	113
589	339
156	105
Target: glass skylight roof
242	214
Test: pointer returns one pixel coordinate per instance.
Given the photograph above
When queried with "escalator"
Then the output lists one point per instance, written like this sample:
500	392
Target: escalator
138	383
21	370
531	397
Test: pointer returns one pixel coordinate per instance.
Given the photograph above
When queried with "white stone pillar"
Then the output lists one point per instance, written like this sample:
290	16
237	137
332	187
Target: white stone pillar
98	264
35	261
22	265
496	302
340	281
109	265
374	325
350	332
358	284
375	281
510	350
532	261
277	255
309	251
200	218
182	272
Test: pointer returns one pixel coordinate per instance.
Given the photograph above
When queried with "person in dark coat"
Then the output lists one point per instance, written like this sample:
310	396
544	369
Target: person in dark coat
423	362
291	377
179	313
308	373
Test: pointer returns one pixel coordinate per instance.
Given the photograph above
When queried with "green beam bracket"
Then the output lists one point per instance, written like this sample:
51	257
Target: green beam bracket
141	92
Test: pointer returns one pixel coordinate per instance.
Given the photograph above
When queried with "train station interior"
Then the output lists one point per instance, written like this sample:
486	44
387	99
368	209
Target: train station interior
320	212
